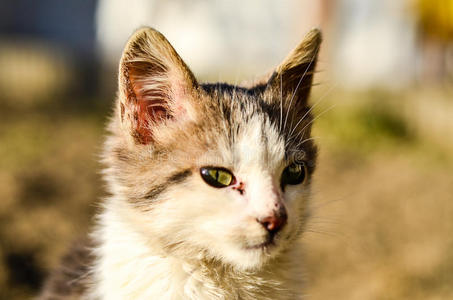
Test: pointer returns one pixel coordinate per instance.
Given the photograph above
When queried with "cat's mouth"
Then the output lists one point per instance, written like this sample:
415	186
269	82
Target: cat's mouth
263	246
268	244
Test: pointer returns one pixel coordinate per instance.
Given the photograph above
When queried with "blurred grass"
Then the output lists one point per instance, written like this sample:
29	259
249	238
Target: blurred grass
48	187
383	202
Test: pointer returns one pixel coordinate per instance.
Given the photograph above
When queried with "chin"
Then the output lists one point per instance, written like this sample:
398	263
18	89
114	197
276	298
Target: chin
249	258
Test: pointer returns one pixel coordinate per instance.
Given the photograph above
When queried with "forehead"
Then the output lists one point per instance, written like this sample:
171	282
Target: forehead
247	132
258	143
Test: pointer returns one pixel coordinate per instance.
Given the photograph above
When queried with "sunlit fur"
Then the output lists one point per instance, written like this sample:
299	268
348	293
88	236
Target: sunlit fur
166	234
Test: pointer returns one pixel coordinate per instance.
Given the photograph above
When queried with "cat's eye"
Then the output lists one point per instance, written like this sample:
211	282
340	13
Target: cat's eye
294	174
217	177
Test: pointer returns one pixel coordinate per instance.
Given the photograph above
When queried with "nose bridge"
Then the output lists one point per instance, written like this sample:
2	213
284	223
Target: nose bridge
265	197
268	206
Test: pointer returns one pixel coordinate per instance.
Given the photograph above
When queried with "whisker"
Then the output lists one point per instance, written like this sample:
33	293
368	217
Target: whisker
233	132
314	119
331	234
325	203
304	141
320	114
297	86
319	100
281	103
295	148
323	220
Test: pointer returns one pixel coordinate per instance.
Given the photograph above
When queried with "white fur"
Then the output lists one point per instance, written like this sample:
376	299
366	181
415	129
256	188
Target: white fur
193	243
131	268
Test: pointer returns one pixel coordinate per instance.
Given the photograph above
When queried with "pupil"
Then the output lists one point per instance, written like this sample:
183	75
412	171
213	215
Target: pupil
293	174
216	177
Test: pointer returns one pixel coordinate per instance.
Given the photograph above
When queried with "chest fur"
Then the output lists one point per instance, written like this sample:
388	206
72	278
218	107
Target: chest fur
128	267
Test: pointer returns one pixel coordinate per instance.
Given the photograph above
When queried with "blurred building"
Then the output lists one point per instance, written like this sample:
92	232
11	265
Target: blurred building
374	44
50	47
47	48
368	43
435	39
237	39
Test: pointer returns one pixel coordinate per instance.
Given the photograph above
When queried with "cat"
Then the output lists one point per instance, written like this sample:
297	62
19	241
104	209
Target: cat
209	184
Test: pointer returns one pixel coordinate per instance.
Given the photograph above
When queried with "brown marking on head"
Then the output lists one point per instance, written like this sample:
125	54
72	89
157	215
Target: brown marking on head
162	107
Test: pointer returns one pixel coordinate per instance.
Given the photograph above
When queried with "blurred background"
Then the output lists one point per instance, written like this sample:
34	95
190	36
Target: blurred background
382	225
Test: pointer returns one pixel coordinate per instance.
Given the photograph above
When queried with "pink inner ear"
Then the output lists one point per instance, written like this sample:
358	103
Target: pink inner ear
150	109
153	95
147	104
179	111
152	105
145	114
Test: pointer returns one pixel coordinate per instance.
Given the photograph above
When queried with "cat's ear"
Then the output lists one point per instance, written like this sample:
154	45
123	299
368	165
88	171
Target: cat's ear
155	85
292	79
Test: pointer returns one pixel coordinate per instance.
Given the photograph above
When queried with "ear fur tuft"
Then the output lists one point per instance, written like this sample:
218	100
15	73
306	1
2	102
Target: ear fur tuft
293	77
154	84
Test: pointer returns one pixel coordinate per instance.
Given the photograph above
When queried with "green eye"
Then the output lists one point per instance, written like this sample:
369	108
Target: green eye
217	177
294	174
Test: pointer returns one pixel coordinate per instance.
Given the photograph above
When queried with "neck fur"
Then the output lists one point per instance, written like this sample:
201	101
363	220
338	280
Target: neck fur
129	266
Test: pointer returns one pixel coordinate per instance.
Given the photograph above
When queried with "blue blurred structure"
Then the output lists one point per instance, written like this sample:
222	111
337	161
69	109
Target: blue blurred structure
69	24
66	29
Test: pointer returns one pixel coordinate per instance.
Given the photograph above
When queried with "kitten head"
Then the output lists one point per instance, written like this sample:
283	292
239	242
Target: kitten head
211	171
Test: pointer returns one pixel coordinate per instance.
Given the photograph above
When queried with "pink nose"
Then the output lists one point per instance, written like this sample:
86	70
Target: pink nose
274	222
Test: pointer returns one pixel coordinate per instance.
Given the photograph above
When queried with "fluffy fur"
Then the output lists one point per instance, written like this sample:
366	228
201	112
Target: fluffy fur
164	233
